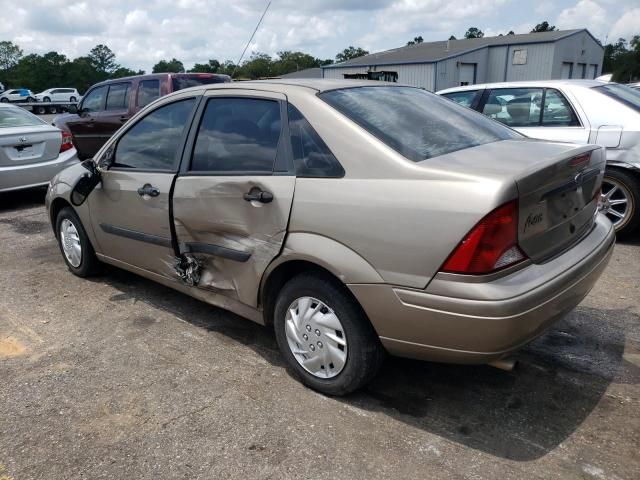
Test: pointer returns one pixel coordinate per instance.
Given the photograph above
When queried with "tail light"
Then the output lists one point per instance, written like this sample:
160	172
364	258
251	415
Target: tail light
491	245
67	143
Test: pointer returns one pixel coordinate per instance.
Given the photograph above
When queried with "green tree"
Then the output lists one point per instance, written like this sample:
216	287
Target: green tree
415	40
452	37
474	32
511	32
349	53
211	67
259	65
168	66
10	55
103	59
543	27
125	72
622	60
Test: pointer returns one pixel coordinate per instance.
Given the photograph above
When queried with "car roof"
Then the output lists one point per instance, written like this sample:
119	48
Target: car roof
530	83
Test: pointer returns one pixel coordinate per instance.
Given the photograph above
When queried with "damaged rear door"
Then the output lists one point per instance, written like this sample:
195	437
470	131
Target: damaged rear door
233	196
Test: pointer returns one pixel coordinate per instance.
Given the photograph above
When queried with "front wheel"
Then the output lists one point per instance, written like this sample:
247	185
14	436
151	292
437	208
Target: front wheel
75	246
620	200
4	100
324	335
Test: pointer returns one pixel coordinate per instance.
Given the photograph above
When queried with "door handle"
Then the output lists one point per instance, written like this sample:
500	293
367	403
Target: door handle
148	189
123	119
258	195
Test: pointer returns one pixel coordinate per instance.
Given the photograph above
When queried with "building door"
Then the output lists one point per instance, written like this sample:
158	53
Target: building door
467	74
593	71
567	70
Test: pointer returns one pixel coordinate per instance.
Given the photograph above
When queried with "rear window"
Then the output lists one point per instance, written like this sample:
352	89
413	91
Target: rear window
415	123
193	81
17	117
622	93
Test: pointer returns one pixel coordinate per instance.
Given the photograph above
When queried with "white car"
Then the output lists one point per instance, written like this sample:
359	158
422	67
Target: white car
578	111
58	95
17	95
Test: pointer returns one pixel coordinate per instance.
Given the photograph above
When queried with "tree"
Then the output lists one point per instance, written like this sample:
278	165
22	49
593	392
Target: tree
349	53
103	59
168	66
125	72
621	61
259	65
543	27
415	40
511	32
452	37
474	32
10	55
211	67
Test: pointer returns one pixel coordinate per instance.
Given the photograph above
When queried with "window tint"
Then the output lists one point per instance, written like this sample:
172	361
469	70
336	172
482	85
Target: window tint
557	111
187	81
148	91
118	97
516	107
462	98
311	156
17	117
416	123
622	93
153	142
237	135
94	101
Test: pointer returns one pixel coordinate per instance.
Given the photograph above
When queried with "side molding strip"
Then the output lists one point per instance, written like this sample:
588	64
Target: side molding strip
216	250
135	235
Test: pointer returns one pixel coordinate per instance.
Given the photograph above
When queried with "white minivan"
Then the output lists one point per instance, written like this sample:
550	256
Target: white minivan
578	111
58	95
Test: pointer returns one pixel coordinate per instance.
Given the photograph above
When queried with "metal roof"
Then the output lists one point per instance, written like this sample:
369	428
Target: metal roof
306	73
429	52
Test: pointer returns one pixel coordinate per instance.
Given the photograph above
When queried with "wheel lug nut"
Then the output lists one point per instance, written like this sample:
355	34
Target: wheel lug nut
305	336
312	347
320	344
308	327
317	332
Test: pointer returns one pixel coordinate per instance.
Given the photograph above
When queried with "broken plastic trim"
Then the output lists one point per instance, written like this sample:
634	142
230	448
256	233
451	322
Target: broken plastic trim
188	269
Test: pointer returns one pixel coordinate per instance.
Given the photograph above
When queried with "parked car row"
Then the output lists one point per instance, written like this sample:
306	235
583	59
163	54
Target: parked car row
579	111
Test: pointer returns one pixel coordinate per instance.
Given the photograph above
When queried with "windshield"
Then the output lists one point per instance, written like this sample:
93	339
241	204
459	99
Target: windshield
17	117
193	81
622	93
415	123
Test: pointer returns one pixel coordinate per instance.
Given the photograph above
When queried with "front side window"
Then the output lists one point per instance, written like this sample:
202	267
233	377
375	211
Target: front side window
118	97
557	111
515	107
237	135
415	123
94	101
462	98
148	91
311	156
153	142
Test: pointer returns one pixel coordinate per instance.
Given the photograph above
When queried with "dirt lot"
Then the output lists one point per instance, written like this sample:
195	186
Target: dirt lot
118	377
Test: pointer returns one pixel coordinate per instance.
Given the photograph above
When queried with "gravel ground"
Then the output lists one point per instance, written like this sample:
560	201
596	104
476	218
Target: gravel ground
118	377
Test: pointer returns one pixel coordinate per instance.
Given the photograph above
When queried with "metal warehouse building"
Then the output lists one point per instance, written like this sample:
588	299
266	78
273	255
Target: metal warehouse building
438	65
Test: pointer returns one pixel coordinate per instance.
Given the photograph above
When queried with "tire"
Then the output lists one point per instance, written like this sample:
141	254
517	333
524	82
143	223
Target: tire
362	348
89	264
4	100
46	99
31	100
40	110
53	110
73	99
628	186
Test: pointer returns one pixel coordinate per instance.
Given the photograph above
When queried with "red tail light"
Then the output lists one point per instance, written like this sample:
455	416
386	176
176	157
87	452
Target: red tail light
67	143
491	245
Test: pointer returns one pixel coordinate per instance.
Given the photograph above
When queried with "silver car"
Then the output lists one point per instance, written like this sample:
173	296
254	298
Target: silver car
354	218
580	111
31	151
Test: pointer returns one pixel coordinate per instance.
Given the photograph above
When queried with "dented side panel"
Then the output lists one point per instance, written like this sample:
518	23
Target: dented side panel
233	239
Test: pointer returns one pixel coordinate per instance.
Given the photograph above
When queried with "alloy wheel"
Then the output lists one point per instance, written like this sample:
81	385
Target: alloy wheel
316	337
615	202
70	241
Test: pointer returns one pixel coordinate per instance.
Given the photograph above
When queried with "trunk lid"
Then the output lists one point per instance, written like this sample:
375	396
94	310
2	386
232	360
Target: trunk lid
29	144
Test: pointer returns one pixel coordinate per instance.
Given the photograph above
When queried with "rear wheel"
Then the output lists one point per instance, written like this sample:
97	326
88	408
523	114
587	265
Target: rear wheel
324	335
46	99
76	249
4	100
73	99
620	200
53	110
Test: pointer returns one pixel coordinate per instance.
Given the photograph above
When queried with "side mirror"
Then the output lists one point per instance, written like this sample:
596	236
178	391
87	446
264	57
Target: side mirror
85	184
72	109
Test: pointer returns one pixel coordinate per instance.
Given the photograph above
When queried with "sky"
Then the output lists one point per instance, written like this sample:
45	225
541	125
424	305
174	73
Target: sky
141	32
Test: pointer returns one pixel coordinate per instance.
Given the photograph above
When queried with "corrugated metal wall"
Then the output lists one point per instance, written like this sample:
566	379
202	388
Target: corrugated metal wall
579	48
417	75
449	70
496	62
539	62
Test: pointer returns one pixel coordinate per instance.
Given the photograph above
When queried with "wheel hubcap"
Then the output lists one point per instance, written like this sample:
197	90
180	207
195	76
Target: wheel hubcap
316	337
70	241
614	202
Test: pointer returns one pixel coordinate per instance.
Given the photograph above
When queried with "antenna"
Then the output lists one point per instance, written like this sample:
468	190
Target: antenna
251	38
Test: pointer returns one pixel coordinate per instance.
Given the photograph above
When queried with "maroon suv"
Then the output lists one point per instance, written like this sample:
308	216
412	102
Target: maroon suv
107	105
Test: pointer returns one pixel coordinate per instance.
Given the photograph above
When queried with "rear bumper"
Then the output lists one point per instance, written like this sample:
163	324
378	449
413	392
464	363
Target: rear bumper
477	322
36	174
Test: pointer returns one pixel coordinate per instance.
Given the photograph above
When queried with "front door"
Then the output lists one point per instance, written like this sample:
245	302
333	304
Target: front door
83	126
130	209
116	111
233	197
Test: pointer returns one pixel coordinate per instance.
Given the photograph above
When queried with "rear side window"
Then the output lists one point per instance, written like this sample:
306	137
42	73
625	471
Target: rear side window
557	111
515	107
629	96
17	117
94	101
415	123
153	142
462	98
148	91
118	97
237	135
311	156
195	80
